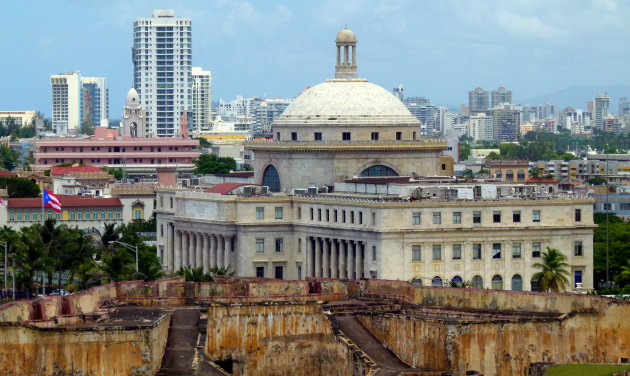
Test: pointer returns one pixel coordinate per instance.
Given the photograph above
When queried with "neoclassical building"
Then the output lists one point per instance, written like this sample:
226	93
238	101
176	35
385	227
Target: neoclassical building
377	217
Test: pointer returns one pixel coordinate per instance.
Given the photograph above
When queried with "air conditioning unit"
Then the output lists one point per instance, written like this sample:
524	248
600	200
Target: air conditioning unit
298	191
264	190
312	191
323	190
249	191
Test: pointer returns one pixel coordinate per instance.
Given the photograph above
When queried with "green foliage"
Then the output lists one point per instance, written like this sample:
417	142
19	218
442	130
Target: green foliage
197	274
618	235
596	181
586	369
87	128
203	142
117	172
19	187
10	128
464	151
553	274
8	157
211	164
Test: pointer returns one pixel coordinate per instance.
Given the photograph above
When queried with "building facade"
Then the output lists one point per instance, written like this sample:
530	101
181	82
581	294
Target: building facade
94	101
500	96
201	93
66	102
600	110
478	100
21	118
481	127
162	59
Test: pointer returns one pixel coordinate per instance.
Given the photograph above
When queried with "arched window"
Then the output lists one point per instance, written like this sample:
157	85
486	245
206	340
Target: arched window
457	281
477	282
520	175
436	281
509	175
271	179
416	281
497	282
517	282
498	174
378	170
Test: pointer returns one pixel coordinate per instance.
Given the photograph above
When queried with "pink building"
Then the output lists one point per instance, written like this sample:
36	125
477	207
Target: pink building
107	148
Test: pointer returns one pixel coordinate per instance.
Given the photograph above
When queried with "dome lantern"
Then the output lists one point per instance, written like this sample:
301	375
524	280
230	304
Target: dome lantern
346	41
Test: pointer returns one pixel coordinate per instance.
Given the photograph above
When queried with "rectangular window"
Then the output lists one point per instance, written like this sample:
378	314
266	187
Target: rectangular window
457	218
437	252
578	215
516	216
312	214
260	271
19	216
415	218
102	215
279	245
27	216
319	215
360	218
476	217
437	218
260	245
278	213
516	250
536	249
80	215
345	136
317	136
299	245
476	248
496	250
118	215
577	248
373	253
299	213
88	215
577	278
171	204
398	136
457	251
373	219
279	272
11	216
352	216
293	136
343	216
536	216
374	136
327	215
260	213
607	206
496	217
416	253
110	215
335	215
73	216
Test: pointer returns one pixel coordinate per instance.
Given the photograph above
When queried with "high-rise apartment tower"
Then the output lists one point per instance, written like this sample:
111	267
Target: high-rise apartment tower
201	99
478	100
501	95
162	59
65	102
94	101
600	110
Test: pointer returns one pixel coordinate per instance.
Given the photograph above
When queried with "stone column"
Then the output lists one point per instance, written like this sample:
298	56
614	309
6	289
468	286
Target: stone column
354	55
199	252
220	247
326	258
169	247
350	266
213	250
367	259
192	248
345	55
342	258
318	258
357	259
338	55
227	253
205	252
334	258
309	257
177	252
184	248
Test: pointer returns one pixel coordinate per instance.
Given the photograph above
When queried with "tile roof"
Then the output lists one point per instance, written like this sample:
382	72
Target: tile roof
225	188
66	202
7	174
237	174
58	170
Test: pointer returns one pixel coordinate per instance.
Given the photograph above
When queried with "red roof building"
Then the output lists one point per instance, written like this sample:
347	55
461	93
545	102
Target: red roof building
65	170
226	188
7	174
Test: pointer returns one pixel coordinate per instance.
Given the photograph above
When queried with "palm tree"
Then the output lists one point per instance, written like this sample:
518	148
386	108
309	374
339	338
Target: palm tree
30	253
623	278
553	274
82	261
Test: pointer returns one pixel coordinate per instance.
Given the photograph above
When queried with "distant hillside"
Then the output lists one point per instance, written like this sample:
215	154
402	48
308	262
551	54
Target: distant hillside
576	96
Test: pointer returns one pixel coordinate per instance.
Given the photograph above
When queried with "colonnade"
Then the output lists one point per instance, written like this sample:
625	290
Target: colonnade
337	258
197	249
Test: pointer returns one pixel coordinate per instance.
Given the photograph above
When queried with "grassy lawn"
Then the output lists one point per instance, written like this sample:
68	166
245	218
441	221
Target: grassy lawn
586	369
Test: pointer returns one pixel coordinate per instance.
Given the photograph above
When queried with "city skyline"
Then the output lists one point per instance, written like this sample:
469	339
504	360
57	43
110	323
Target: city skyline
278	48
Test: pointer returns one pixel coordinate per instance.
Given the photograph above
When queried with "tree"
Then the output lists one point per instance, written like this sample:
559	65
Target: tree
623	278
211	164
19	187
598	180
553	274
87	128
203	142
117	172
8	157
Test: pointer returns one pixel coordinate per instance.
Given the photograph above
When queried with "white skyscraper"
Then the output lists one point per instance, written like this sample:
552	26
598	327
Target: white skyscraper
201	99
600	110
94	101
162	59
481	127
66	102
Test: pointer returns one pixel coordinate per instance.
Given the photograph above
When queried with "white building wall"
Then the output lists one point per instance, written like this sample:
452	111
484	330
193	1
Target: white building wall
66	102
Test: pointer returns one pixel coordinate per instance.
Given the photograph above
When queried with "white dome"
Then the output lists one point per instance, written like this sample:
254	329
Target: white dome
346	36
133	97
346	102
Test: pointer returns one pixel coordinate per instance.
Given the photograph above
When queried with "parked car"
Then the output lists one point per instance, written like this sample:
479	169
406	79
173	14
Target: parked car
59	292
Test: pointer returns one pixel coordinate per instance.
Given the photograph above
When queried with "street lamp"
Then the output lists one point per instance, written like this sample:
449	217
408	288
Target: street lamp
130	247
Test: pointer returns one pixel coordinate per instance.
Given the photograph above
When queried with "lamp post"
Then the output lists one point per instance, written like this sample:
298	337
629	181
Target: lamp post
130	247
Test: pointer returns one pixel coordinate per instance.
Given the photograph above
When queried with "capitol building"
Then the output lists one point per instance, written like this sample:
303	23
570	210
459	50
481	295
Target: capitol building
347	188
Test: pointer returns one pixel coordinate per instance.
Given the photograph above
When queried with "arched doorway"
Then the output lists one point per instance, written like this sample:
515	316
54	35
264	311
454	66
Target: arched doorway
517	282
436	281
457	281
497	282
271	178
477	282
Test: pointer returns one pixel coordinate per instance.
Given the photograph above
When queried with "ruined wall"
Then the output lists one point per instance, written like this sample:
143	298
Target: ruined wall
502	347
278	339
107	351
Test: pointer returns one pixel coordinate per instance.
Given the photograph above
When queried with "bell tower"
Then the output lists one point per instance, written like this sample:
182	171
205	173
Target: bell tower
346	67
134	121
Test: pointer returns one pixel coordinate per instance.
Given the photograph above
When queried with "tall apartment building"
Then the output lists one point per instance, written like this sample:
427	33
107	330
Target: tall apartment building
481	127
94	101
506	122
427	113
268	110
624	106
501	95
478	100
66	102
600	110
162	59
201	92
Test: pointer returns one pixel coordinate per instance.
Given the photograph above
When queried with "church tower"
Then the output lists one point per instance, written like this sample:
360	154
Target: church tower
347	48
134	123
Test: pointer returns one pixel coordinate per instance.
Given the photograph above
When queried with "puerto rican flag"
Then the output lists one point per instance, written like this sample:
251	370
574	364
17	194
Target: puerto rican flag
51	201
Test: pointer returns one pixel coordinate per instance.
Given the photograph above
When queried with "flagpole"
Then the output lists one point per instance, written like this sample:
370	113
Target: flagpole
43	274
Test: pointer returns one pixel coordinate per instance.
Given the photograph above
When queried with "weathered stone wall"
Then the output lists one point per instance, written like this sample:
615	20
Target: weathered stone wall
107	351
504	347
283	339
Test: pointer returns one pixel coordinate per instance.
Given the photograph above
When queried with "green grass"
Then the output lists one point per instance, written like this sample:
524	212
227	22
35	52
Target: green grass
586	369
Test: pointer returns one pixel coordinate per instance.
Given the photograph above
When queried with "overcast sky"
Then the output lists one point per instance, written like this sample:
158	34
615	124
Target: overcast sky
440	49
